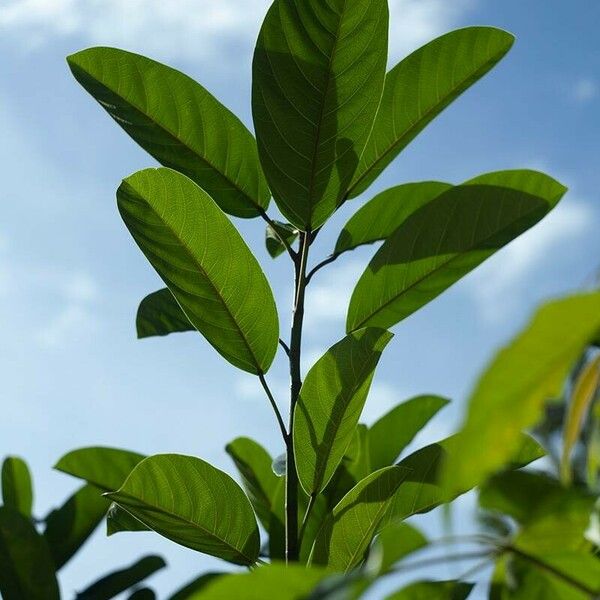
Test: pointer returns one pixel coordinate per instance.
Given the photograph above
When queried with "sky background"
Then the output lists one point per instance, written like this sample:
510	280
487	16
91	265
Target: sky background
72	372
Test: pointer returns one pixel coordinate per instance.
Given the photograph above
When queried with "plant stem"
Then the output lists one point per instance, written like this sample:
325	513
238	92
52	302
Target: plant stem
322	264
291	490
278	416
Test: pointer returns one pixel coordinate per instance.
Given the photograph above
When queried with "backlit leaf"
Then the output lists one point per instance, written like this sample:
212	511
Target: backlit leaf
17	488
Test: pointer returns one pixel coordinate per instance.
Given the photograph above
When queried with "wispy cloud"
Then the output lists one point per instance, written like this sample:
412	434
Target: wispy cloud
585	90
193	29
496	286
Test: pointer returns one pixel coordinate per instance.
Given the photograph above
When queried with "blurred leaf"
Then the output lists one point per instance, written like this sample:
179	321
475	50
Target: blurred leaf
434	590
193	504
318	75
159	314
179	123
293	582
509	398
277	232
143	594
17	488
331	400
113	584
68	527
26	567
106	468
206	264
584	392
422	85
446	239
593	455
380	217
118	520
348	530
254	464
188	592
393	432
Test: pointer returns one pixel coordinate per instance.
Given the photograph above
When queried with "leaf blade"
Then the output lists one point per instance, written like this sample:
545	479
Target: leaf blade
159	314
17	488
205	263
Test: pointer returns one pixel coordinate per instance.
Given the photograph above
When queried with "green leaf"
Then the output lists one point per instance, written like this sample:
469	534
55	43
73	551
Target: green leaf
395	542
395	430
17	488
293	582
331	399
582	397
188	592
206	264
318	75
348	530
113	584
68	527
434	590
106	468
193	504
118	519
179	123
27	570
276	234
159	314
420	87
393	494
380	217
509	398
261	484
445	239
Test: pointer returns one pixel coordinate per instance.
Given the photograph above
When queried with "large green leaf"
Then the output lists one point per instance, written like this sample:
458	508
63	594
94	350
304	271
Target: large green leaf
193	504
17	488
206	264
393	494
433	590
420	87
160	314
331	399
318	75
511	394
106	468
396	429
26	567
348	530
293	582
380	217
179	123
68	527
261	484
113	584
445	239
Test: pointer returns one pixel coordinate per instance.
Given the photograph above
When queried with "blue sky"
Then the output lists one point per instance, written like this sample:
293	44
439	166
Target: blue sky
73	373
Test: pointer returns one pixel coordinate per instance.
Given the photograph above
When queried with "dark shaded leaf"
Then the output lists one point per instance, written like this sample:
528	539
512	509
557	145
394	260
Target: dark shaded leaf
118	519
159	314
274	234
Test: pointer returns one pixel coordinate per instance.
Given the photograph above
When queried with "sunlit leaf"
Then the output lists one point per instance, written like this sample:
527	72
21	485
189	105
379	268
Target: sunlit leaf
331	400
26	567
69	527
420	87
179	123
159	314
189	591
445	239
318	75
193	504
205	263
395	430
433	590
106	468
17	488
583	395
113	584
394	542
509	398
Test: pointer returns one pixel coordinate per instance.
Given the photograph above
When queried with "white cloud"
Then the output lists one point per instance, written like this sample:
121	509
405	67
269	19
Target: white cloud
585	90
495	286
196	29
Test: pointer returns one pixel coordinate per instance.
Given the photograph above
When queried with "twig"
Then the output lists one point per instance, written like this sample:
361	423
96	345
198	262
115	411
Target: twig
285	347
322	264
280	421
